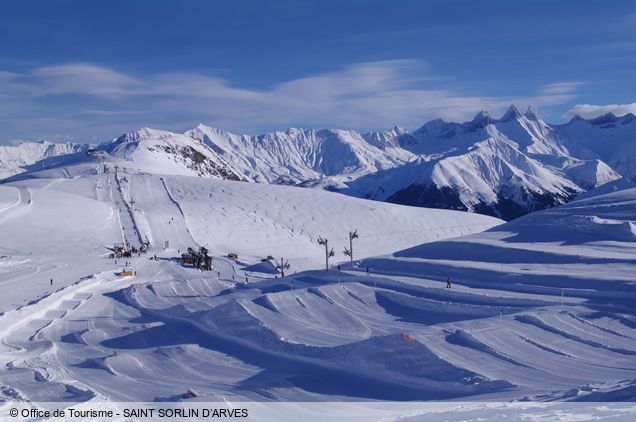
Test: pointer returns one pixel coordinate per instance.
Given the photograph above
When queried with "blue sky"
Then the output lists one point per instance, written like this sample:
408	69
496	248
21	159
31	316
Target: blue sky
90	70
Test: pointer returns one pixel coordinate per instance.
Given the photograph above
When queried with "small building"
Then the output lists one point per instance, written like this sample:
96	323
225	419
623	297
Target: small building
127	272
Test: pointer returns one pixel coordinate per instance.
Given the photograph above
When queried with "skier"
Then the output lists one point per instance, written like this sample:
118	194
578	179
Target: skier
367	270
338	267
448	283
51	282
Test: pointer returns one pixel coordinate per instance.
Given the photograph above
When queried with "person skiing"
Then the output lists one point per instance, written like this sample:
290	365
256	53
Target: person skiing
448	283
51	282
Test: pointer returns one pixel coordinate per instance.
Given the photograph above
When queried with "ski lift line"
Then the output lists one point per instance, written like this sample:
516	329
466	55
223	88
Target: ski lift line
135	227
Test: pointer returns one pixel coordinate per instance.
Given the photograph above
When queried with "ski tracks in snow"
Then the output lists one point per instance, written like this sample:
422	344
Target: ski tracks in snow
30	355
24	200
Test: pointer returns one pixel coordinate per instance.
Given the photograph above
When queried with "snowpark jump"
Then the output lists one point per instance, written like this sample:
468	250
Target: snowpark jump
507	327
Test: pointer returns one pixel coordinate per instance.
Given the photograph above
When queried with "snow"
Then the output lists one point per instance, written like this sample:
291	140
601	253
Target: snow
540	308
300	155
15	158
486	162
151	150
607	137
287	221
504	167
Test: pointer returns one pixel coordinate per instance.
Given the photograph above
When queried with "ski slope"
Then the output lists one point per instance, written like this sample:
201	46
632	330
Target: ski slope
541	308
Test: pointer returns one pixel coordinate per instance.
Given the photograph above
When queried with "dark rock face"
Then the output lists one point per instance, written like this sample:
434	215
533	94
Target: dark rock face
428	196
506	208
200	163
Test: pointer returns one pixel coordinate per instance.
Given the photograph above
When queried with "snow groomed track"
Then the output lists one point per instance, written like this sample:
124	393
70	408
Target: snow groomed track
526	318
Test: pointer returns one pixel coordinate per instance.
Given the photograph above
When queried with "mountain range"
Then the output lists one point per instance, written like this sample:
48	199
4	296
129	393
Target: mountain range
504	167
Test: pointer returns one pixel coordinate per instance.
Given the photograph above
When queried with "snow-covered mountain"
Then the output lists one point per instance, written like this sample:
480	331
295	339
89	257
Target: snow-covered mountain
306	156
163	152
15	159
505	167
607	137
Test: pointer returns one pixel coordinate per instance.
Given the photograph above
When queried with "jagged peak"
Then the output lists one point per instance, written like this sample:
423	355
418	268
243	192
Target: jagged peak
481	116
577	118
511	113
481	120
603	119
532	113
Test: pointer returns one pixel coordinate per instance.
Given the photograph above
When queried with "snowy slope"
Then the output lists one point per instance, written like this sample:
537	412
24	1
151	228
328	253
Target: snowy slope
541	308
610	138
14	158
255	221
579	255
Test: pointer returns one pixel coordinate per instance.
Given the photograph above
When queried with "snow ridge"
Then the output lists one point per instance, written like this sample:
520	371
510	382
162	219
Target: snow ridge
504	167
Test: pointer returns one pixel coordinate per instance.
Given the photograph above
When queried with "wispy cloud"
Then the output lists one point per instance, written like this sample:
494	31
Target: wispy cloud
590	110
560	88
86	100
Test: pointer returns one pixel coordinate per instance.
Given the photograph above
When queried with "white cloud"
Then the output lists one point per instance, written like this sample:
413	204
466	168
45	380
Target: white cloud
560	88
88	100
590	110
70	79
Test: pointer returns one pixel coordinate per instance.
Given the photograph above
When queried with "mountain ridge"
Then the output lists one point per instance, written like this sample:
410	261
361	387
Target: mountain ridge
504	167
